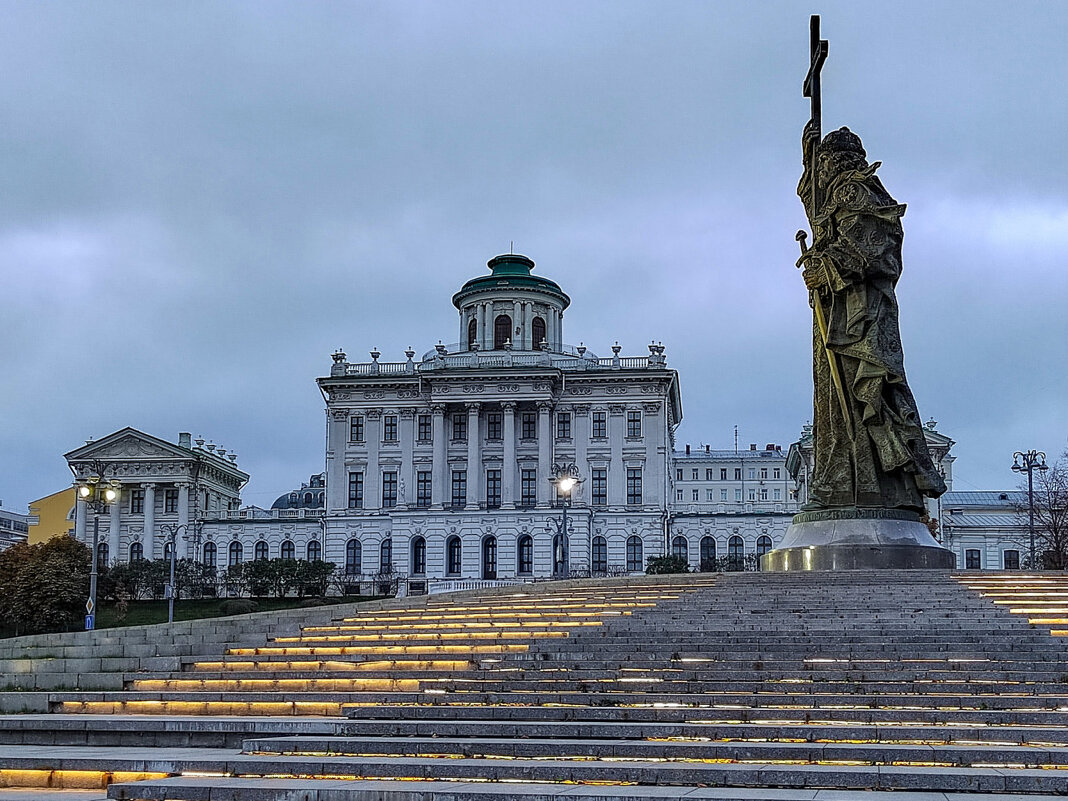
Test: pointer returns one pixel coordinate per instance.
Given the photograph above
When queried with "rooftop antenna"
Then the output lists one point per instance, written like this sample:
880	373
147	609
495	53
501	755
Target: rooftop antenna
511	247
736	440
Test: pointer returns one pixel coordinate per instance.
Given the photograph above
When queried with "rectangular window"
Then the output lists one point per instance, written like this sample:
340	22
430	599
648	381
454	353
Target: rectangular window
763	493
778	494
528	425
693	475
634	486
972	560
678	474
696	495
389	428
356	428
459	487
389	489
459	426
737	496
170	500
494	424
137	502
424	483
599	487
737	474
678	495
493	489
708	474
528	487
711	495
634	424
563	425
763	473
355	490
752	494
723	495
752	473
600	425
1012	560
723	474
426	428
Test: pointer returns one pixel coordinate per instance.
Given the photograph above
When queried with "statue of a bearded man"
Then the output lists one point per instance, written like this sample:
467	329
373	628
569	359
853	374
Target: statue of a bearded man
870	450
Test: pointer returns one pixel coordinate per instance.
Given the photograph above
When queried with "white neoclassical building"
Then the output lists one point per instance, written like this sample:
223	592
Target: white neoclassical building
442	467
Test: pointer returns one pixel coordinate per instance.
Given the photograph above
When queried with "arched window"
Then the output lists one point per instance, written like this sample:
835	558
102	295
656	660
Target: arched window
708	554
634	554
320	499
680	548
763	545
972	559
289	550
537	332
308	498
137	552
210	555
102	553
261	550
472	333
489	558
502	331
353	558
453	553
235	553
419	556
600	555
525	564
385	556
735	553
315	551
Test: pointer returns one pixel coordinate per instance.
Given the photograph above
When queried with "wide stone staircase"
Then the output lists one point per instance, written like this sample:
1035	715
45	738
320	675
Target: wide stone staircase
779	686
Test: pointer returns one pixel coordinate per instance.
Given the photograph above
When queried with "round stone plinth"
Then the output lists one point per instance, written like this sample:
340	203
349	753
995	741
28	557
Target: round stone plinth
857	539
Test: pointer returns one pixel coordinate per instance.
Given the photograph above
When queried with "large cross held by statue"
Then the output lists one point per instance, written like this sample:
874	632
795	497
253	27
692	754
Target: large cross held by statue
817	48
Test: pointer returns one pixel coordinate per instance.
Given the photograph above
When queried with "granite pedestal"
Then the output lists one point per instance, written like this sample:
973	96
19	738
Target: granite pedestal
857	539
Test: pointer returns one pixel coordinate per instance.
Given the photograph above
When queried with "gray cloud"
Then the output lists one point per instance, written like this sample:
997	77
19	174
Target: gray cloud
201	201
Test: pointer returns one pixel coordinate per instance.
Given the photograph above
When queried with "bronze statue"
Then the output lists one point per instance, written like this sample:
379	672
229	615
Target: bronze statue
870	449
872	468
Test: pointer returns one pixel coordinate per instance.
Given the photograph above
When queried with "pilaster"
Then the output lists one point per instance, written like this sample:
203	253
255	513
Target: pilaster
545	452
440	467
372	480
407	443
508	468
474	462
150	521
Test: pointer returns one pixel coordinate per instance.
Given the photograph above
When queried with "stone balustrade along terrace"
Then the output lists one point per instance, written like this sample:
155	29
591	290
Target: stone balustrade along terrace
698	686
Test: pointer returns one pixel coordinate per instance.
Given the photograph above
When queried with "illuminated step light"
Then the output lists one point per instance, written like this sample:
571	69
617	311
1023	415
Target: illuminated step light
71	779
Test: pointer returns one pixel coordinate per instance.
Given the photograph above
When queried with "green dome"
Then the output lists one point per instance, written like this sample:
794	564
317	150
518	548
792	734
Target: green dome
510	270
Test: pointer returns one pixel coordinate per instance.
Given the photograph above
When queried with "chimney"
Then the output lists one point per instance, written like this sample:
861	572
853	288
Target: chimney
708	449
184	440
770	447
752	446
687	449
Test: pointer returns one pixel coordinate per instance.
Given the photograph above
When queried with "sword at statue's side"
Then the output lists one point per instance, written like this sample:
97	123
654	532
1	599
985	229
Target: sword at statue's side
811	89
832	358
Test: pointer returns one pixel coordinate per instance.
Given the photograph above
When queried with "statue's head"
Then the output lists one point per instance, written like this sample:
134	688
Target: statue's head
840	150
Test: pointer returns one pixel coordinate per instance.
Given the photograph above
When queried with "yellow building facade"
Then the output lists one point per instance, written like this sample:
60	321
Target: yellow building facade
52	516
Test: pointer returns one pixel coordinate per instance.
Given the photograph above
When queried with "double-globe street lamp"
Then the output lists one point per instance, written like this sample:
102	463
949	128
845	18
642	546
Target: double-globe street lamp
565	478
1032	460
97	494
172	537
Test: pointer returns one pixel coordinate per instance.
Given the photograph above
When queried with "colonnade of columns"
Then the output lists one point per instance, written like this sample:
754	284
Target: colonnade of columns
522	317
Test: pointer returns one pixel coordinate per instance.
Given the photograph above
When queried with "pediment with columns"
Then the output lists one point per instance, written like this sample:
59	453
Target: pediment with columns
128	444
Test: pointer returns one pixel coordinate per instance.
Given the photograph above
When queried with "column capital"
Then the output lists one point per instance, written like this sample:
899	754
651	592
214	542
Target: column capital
437	408
472	406
508	407
407	413
616	409
148	485
339	414
544	405
373	414
581	409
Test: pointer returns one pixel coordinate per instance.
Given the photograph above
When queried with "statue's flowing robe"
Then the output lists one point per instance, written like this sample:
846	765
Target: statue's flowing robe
885	463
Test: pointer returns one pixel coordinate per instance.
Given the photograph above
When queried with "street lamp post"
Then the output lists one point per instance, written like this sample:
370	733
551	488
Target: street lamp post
172	537
1032	460
97	494
565	478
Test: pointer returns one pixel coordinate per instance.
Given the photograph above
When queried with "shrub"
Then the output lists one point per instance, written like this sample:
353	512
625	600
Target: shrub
666	564
238	606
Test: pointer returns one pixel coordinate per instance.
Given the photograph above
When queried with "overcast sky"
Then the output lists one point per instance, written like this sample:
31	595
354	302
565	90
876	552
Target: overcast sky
199	201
